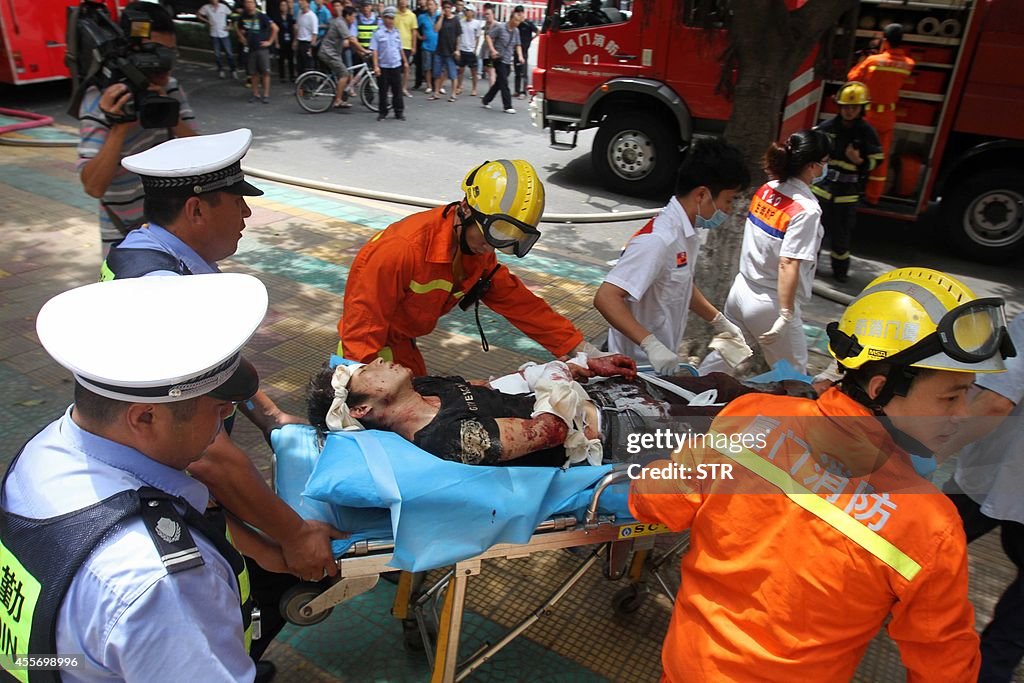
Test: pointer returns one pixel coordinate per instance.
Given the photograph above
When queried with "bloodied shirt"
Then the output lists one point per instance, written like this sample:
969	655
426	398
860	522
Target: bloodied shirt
465	428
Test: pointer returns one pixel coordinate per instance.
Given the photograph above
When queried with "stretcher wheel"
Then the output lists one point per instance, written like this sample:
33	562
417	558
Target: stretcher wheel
628	600
297	597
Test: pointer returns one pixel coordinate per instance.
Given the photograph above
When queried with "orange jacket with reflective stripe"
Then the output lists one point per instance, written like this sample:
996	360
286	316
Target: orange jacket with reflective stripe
402	282
792	586
884	74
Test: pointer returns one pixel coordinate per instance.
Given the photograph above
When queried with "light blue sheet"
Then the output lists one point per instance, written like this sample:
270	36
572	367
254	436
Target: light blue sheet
782	370
379	485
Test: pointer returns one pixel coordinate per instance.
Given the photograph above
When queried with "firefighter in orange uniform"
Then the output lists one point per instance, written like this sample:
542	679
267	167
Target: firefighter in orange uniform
884	74
416	270
822	530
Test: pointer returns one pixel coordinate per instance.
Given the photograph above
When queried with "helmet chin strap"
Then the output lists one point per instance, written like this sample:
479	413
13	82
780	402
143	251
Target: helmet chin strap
463	218
897	383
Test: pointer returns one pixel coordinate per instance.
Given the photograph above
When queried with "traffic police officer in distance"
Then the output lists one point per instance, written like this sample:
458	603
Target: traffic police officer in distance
101	527
195	205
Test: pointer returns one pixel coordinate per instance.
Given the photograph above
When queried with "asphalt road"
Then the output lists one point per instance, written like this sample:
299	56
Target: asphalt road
428	155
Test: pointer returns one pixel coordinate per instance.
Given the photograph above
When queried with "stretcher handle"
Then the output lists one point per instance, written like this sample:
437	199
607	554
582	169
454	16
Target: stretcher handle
616	476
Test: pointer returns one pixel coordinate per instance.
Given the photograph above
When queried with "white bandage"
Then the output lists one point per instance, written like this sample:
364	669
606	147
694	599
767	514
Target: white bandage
830	374
556	393
591	351
510	384
582	357
338	418
555	370
516	382
734	350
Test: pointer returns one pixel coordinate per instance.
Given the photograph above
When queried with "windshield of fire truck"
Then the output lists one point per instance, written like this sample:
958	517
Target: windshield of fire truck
582	13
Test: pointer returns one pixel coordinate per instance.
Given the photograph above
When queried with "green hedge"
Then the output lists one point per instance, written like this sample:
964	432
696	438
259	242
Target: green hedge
192	34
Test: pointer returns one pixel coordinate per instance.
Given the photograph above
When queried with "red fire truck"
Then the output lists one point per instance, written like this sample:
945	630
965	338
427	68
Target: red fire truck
644	74
32	39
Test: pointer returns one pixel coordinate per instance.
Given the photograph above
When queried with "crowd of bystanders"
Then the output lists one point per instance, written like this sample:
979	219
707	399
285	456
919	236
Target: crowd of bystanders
440	46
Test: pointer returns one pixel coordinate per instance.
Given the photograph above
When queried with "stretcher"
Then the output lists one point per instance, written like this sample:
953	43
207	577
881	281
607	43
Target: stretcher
594	517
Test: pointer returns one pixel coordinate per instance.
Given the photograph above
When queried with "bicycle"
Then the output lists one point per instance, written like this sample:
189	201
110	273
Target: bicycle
314	90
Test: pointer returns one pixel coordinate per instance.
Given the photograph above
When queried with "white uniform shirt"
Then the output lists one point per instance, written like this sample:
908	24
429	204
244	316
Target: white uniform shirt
656	269
218	18
991	470
129	618
307	26
784	220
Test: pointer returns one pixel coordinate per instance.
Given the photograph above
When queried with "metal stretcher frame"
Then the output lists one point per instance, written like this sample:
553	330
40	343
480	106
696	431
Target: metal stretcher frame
361	567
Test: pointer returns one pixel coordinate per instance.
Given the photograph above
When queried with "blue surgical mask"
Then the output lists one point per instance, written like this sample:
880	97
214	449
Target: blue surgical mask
717	218
821	176
924	466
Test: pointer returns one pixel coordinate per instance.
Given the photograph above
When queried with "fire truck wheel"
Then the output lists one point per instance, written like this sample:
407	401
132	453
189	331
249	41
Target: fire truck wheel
635	154
984	216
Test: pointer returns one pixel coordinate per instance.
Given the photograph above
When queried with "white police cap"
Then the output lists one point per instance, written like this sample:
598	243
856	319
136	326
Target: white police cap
157	339
194	165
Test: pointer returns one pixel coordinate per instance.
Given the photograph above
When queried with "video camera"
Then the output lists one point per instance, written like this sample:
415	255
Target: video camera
99	53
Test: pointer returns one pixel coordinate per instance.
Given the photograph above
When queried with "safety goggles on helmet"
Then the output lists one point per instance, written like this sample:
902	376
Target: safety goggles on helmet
970	333
507	234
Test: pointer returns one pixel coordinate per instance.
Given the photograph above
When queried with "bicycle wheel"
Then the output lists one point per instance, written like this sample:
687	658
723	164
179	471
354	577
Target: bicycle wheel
369	92
314	91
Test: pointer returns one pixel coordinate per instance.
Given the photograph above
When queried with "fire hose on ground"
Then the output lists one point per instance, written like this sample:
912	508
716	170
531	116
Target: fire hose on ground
38	120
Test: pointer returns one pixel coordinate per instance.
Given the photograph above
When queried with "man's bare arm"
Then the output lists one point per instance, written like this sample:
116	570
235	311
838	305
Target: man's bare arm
521	437
266	415
239	487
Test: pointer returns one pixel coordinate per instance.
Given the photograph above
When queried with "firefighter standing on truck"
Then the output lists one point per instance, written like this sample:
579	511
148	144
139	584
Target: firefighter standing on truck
856	151
416	270
824	532
884	75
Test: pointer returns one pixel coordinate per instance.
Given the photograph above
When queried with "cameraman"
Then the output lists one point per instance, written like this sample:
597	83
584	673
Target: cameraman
103	142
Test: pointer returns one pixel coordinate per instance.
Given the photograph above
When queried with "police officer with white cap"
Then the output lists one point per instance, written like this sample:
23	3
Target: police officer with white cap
195	204
115	568
195	194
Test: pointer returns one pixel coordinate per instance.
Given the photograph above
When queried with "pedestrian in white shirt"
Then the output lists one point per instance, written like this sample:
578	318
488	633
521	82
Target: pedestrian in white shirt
469	41
217	16
306	27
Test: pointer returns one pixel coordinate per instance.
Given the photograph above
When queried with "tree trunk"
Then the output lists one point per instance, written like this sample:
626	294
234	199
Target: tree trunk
768	43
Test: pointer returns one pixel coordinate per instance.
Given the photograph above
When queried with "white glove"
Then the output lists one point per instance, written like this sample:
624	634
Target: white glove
724	327
778	327
664	361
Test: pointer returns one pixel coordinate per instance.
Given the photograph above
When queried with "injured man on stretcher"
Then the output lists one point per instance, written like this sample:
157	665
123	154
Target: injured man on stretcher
542	415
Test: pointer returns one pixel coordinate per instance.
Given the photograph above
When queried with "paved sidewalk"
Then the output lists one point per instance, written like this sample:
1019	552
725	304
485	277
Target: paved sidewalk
299	243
